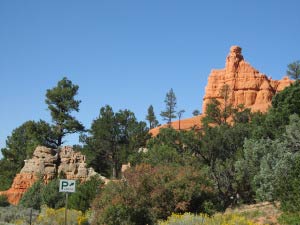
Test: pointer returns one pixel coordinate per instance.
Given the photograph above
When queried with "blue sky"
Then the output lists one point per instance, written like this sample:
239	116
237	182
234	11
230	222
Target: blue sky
130	53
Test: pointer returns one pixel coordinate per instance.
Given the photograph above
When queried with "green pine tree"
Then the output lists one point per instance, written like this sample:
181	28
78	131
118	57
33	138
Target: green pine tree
170	112
153	122
294	70
61	103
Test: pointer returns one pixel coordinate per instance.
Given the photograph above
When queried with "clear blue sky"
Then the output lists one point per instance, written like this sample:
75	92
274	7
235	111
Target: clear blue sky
128	54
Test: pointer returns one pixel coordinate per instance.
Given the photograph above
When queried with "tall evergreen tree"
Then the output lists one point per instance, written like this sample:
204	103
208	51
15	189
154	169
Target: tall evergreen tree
294	70
213	113
170	111
113	137
227	107
61	103
153	122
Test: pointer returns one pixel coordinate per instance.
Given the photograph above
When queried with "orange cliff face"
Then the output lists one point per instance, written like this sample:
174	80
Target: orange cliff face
245	85
21	183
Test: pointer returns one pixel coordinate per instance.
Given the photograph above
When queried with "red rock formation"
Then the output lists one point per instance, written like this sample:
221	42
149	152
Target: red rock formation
185	124
244	83
48	163
21	183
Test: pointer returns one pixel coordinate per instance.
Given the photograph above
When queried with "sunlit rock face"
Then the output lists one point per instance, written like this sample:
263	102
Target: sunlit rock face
47	163
245	85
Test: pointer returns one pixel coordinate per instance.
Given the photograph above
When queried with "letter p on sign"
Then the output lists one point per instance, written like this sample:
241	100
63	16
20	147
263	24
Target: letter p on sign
67	185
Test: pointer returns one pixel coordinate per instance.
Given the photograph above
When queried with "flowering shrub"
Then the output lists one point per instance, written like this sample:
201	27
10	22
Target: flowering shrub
50	216
187	218
203	219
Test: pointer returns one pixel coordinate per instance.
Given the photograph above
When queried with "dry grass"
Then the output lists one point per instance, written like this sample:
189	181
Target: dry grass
261	213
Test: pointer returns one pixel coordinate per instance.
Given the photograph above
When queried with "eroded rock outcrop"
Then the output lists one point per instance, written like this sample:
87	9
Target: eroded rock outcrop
246	86
47	163
21	183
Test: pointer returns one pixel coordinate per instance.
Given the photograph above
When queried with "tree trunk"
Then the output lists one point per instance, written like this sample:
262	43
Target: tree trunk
114	172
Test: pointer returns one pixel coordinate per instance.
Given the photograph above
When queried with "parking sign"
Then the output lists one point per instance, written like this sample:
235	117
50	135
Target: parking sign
67	185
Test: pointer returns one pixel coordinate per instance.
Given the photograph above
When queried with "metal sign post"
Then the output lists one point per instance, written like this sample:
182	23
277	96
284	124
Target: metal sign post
67	186
66	209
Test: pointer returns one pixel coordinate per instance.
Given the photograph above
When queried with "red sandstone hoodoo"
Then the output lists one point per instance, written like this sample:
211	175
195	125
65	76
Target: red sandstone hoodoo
246	86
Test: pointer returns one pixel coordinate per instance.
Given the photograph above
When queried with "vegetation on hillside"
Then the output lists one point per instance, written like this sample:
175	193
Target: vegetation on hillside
237	158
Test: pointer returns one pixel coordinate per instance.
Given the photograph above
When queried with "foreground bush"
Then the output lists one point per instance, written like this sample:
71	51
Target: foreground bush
85	194
151	193
202	219
48	194
3	201
43	194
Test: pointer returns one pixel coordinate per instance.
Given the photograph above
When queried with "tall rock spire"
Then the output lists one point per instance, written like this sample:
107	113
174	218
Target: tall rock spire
246	84
233	59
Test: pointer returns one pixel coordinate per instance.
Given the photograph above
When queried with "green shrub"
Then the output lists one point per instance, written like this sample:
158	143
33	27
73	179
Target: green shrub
287	185
51	196
43	194
32	197
85	194
289	218
48	194
3	201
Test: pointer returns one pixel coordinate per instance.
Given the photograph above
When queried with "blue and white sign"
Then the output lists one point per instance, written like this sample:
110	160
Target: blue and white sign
67	185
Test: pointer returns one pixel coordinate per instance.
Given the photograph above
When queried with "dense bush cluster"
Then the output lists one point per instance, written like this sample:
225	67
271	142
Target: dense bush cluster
150	193
41	194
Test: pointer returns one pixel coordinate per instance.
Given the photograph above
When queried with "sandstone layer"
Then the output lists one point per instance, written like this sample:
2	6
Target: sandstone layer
244	85
47	164
183	124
